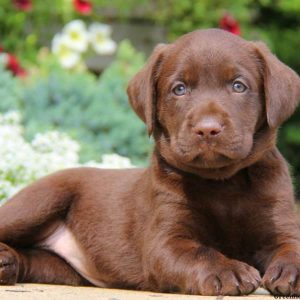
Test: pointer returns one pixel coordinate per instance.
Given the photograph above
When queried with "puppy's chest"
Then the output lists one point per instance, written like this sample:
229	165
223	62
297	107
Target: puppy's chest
230	221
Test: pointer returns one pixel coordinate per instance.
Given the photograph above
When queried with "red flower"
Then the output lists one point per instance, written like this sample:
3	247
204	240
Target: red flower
13	65
25	5
84	7
228	23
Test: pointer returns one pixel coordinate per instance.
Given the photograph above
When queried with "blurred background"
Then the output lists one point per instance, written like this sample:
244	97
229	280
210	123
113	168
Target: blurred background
65	65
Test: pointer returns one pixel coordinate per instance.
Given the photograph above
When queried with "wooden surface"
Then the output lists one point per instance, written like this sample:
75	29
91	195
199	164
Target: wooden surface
55	292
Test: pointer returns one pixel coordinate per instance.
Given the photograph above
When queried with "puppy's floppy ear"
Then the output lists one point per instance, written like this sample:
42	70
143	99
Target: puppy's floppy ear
281	86
142	91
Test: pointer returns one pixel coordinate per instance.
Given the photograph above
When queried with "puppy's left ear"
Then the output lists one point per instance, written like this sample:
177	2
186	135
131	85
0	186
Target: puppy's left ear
142	91
281	86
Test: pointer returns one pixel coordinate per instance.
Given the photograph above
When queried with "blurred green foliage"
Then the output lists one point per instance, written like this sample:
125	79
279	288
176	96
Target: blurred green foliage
10	91
94	111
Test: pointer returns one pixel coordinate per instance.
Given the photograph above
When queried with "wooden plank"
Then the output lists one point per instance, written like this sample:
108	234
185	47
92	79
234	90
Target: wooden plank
56	292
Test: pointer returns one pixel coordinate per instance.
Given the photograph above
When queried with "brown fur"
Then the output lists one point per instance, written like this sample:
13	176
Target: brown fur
215	209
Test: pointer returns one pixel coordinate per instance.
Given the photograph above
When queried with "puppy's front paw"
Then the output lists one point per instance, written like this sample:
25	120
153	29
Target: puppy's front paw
9	265
283	279
233	278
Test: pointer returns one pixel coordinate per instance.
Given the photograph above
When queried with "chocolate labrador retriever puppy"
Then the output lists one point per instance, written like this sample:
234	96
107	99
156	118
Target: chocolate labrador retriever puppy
214	211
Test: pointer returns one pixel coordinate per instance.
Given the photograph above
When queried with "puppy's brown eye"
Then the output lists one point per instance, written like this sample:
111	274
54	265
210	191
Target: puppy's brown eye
179	89
239	87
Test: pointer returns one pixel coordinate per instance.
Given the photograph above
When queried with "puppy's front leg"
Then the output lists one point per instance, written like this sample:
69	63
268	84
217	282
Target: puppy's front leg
174	261
279	257
283	272
282	257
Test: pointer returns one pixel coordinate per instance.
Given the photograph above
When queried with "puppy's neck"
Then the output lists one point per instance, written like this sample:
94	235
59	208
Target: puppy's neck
164	174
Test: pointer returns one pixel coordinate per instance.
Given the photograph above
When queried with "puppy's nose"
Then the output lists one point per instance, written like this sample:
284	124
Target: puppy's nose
208	128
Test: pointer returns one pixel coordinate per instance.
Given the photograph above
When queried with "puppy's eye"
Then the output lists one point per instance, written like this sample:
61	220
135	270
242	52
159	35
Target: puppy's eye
179	89
239	87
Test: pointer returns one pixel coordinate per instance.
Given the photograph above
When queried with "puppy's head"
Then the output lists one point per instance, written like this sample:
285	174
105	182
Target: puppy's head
213	101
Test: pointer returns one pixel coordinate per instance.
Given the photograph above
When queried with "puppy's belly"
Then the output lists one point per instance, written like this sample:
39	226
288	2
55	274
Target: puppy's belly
63	243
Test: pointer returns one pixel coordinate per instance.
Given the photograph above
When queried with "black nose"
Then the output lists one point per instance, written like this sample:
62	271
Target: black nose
208	128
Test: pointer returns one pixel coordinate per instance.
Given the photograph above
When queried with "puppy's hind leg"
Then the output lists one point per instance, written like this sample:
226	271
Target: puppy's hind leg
9	265
35	265
25	216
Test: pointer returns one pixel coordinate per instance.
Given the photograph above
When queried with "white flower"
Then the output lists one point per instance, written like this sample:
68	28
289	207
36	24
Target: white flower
3	58
115	161
11	117
23	162
76	35
67	57
47	143
99	36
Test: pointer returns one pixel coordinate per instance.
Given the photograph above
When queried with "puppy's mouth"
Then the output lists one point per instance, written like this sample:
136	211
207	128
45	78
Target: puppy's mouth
211	161
214	156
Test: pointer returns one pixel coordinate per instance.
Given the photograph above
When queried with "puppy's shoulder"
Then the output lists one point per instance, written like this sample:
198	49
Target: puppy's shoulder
273	163
271	173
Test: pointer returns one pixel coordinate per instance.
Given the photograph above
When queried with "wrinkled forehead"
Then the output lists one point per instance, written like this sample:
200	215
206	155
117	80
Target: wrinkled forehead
210	58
